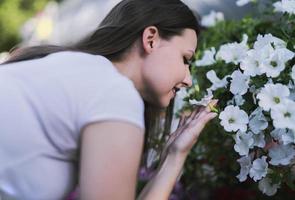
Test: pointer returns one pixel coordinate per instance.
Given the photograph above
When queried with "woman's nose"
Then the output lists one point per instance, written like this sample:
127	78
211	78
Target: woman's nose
188	79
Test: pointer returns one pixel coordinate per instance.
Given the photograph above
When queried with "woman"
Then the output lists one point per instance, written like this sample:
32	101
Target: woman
74	115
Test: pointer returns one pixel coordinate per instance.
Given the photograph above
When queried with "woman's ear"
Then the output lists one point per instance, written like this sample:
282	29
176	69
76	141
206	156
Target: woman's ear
150	38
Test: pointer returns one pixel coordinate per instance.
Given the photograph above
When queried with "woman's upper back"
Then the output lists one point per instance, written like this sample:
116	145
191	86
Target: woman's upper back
44	104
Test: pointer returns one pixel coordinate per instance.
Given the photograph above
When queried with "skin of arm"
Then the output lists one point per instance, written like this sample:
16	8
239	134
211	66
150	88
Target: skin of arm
176	150
161	185
110	158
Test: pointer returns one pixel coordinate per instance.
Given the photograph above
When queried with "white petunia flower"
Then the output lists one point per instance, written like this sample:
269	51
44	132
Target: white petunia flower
254	92
257	121
179	102
275	64
256	58
281	154
251	63
245	163
284	136
273	67
182	93
287	6
216	82
242	2
283	115
212	18
238	100
291	86
233	119
272	95
265	53
293	73
258	140
285	54
204	101
268	39
259	168
288	137
208	58
244	142
278	133
270	56
266	187
233	52
239	83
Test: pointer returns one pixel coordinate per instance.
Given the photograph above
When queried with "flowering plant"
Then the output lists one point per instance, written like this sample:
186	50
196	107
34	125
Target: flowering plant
249	65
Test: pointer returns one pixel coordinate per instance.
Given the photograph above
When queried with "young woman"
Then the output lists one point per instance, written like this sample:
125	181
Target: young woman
75	115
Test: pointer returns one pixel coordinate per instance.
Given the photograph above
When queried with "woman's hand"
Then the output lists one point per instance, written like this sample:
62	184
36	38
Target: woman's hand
175	151
189	128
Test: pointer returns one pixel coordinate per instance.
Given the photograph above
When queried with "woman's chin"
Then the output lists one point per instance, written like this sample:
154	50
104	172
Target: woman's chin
160	103
165	101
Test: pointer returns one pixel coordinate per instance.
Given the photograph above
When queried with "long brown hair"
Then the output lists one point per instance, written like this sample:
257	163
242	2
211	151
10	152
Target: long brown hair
119	30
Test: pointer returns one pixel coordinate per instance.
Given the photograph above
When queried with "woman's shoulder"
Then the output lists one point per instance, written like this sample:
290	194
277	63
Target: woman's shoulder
77	58
95	69
96	75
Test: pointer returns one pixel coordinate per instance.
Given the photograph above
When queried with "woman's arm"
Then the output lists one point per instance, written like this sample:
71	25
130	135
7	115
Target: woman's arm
162	183
175	152
110	157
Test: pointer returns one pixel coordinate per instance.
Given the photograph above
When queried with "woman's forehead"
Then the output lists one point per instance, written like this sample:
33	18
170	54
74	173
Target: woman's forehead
187	40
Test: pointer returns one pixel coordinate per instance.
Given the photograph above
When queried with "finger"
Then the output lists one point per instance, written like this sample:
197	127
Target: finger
204	115
201	110
207	117
181	121
202	122
185	120
194	112
170	140
185	114
211	115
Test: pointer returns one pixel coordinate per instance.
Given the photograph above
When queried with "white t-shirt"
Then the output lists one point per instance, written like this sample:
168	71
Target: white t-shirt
44	103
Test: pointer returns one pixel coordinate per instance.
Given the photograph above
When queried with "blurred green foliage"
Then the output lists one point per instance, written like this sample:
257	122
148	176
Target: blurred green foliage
13	13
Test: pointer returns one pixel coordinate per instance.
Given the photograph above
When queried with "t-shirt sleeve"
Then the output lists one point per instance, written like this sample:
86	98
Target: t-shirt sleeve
120	101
